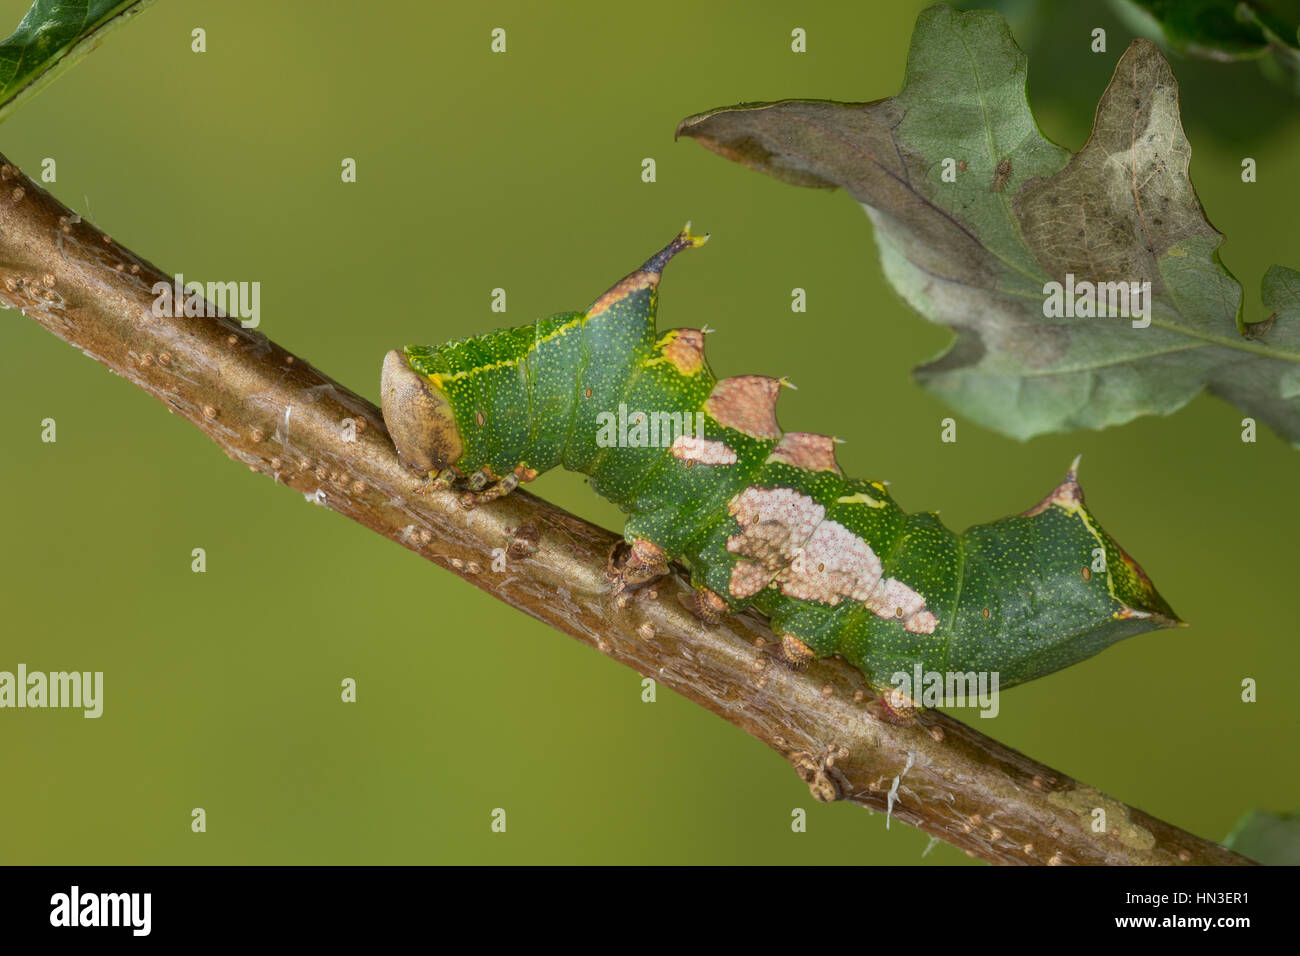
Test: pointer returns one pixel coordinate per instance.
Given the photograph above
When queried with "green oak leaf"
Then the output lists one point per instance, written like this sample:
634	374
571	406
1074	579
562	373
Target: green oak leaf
977	253
53	36
1268	838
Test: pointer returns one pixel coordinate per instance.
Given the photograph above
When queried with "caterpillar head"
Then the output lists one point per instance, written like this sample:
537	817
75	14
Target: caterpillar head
419	417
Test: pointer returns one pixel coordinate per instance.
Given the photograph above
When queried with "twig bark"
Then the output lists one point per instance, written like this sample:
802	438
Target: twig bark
283	418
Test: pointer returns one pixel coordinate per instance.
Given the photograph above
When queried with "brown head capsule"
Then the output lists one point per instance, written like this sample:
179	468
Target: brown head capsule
418	416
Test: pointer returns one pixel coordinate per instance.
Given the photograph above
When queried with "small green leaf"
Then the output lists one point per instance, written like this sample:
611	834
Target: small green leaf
53	36
1223	30
1268	838
1214	29
976	248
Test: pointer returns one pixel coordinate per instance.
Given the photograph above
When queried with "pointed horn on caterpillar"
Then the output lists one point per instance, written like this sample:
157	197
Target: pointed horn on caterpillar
647	277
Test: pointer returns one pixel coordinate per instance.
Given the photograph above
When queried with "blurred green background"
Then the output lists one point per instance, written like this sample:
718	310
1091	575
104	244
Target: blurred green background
523	171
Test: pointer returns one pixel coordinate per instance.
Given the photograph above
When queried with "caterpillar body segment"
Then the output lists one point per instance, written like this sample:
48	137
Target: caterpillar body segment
761	516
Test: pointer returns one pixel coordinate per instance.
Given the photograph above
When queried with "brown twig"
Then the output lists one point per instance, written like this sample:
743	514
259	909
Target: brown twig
277	415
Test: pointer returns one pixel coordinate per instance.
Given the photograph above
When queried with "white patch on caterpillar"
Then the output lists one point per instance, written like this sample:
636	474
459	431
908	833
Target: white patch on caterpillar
893	598
833	564
922	622
748	578
774	523
702	451
785	534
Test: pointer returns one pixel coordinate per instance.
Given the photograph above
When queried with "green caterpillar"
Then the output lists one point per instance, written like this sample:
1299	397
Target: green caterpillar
761	517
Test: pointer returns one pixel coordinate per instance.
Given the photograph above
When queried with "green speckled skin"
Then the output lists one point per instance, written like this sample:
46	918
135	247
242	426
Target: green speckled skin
1016	596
